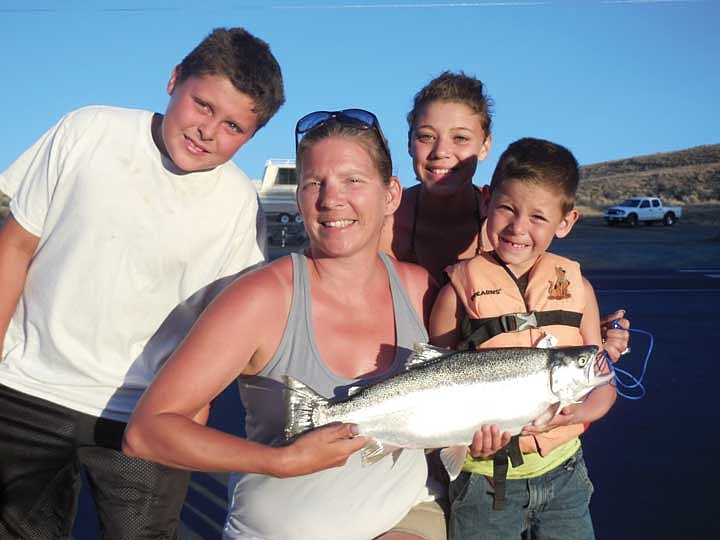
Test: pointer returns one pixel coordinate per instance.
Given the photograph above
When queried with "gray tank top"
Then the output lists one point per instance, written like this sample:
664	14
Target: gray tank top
351	502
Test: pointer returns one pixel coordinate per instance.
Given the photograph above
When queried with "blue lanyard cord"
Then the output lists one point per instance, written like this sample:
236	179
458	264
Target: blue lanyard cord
626	380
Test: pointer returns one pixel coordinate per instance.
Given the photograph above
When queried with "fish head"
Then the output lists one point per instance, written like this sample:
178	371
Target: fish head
575	371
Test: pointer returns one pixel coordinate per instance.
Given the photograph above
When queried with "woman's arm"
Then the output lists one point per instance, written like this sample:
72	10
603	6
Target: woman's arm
225	342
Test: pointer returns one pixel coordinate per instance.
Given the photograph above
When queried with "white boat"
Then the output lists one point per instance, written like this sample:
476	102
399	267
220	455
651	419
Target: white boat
276	190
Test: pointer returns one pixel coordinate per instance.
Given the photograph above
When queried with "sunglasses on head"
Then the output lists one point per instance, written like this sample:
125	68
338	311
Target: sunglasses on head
352	117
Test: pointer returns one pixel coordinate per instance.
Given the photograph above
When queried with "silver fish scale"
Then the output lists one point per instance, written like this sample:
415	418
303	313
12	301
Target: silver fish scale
459	368
384	410
442	401
502	364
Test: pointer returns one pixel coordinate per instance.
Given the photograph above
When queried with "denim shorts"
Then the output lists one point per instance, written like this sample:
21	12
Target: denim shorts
553	506
42	448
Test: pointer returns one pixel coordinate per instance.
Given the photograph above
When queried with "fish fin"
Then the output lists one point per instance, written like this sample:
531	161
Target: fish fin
375	450
550	413
453	457
301	402
424	353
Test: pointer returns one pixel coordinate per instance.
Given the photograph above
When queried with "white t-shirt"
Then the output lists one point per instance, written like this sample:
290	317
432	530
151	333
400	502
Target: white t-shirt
123	241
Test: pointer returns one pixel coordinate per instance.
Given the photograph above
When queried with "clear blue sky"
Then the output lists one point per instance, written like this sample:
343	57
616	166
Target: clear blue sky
609	79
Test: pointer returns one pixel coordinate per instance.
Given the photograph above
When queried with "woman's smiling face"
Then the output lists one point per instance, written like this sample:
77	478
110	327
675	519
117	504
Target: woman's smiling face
342	197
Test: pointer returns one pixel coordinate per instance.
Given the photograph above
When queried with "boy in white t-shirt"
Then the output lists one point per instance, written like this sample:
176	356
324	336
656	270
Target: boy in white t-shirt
118	217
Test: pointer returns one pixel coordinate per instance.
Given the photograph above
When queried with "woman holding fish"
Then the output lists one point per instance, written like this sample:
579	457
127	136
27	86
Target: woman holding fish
338	316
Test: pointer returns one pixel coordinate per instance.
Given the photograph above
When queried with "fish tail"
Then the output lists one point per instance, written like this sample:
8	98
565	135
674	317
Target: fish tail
301	403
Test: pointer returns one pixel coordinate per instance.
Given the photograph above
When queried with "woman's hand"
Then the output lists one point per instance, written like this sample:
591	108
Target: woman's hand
488	440
322	448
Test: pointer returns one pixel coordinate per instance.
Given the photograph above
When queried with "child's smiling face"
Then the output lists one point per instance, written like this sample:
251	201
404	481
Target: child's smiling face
446	143
522	220
207	120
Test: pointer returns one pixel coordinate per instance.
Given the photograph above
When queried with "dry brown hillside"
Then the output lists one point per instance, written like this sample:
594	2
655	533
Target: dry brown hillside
690	178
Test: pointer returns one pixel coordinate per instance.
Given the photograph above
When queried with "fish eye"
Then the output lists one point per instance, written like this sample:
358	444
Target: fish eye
582	361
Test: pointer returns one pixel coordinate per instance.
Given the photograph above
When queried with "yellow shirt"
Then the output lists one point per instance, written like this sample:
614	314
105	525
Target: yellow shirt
534	464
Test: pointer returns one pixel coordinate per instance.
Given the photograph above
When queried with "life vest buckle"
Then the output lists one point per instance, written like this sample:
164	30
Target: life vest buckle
517	322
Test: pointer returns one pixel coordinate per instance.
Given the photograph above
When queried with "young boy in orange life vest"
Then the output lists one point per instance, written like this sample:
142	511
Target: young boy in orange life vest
531	202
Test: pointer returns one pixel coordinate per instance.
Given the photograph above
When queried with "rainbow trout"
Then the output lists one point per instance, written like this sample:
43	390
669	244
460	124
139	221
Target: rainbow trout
442	397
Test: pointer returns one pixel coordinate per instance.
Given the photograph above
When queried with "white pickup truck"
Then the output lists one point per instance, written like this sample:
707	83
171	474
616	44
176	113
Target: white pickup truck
648	210
277	197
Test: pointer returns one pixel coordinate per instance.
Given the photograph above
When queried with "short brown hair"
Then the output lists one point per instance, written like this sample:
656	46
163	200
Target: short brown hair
540	162
246	61
454	88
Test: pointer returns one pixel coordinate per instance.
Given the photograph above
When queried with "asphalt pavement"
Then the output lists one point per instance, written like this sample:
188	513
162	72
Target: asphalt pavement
652	460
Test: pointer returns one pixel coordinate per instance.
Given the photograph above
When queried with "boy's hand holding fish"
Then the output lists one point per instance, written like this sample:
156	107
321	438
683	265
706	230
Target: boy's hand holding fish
614	329
488	440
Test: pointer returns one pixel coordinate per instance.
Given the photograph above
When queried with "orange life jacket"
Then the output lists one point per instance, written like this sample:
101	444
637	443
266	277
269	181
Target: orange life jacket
553	301
498	314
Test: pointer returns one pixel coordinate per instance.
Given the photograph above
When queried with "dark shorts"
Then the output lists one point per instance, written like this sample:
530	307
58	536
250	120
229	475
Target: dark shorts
42	448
